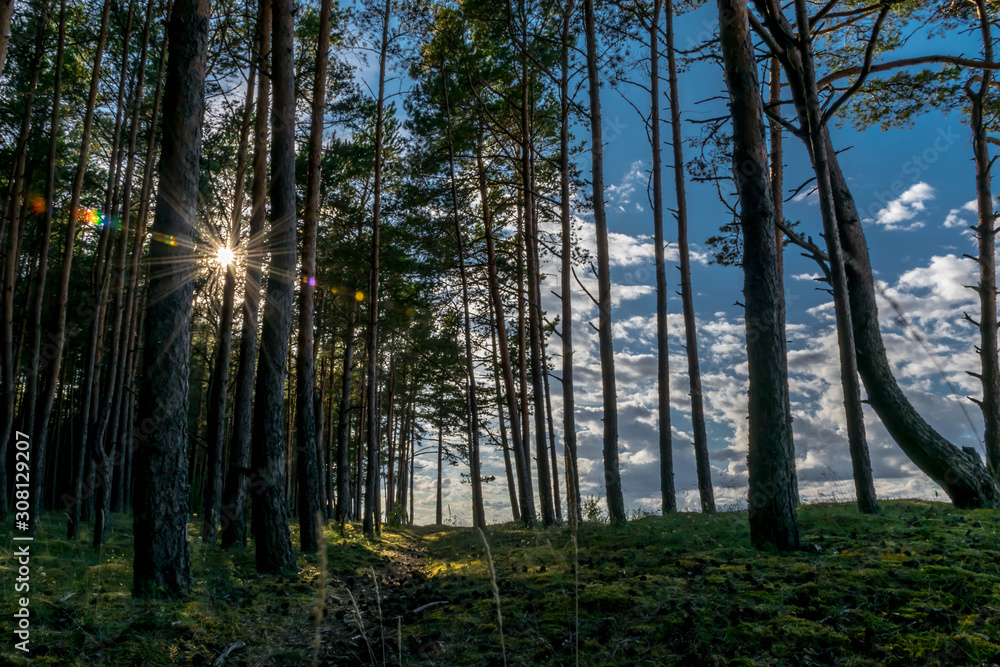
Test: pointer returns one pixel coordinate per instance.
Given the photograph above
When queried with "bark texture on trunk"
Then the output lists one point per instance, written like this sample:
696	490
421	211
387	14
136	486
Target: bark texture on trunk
372	430
269	517
306	461
773	521
162	565
232	513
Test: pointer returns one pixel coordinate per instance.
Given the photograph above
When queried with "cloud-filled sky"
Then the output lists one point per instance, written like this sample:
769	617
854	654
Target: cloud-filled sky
913	187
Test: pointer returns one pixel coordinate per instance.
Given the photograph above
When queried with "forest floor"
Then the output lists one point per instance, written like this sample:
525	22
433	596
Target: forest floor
919	585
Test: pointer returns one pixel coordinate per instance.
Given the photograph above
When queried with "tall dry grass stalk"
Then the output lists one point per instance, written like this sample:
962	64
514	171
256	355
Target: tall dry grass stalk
496	592
320	587
361	624
381	626
576	596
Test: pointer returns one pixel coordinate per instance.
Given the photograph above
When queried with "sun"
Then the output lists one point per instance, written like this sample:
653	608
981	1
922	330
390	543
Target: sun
224	256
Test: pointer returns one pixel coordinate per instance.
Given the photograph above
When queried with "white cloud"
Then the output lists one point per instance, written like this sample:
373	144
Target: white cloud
905	208
619	196
955	217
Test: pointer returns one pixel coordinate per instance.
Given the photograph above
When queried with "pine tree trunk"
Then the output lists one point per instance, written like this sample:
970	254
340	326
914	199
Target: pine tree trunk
777	194
268	445
989	374
773	521
704	465
438	517
9	383
526	511
511	481
57	337
668	493
472	406
307	466
38	462
371	435
812	117
569	404
218	396
612	476
234	494
162	565
344	419
6	14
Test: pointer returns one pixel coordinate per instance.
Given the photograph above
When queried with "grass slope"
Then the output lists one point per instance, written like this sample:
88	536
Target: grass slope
919	585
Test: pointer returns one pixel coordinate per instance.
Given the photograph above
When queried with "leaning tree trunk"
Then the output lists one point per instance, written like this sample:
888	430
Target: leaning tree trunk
371	434
234	493
307	465
773	520
612	476
704	466
162	565
267	453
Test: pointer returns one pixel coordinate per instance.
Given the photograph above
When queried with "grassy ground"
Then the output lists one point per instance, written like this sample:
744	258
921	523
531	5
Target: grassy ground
918	586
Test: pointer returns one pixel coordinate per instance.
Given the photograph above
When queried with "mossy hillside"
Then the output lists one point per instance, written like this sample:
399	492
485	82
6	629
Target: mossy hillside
918	585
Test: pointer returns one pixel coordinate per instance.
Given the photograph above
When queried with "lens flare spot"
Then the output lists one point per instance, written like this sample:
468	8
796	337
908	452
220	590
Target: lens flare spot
359	295
224	256
37	205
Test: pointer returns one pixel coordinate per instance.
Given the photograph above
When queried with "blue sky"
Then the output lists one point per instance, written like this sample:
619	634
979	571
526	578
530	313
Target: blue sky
911	185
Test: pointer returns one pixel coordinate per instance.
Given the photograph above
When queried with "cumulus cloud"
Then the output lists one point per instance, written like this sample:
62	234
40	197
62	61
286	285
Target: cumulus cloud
620	196
956	217
898	214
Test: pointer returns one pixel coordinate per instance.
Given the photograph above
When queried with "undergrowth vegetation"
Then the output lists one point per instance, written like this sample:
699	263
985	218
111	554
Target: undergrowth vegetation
919	585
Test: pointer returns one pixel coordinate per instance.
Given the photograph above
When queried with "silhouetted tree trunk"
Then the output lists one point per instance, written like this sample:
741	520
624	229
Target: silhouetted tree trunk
989	374
773	520
777	194
307	466
438	518
612	476
472	406
959	472
268	446
6	14
501	418
344	418
569	403
812	117
668	494
234	494
8	385
218	392
162	565
527	506
704	466
38	461
371	435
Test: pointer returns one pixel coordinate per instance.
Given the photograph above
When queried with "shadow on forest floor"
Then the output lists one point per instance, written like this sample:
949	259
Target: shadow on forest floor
919	585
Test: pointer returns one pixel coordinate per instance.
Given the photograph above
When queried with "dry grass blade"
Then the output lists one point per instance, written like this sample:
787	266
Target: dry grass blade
320	587
496	592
